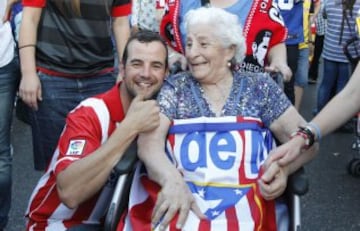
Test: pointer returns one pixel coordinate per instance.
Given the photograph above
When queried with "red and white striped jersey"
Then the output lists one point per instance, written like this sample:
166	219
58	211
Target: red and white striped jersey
87	127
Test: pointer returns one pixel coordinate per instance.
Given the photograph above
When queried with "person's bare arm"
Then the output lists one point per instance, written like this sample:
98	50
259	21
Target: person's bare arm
175	195
121	30
277	59
341	107
339	110
30	87
317	7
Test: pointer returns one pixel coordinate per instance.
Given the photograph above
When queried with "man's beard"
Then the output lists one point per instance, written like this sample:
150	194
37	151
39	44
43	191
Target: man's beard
150	95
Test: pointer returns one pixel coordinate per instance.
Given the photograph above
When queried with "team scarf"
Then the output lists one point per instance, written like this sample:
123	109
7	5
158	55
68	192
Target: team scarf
264	18
220	159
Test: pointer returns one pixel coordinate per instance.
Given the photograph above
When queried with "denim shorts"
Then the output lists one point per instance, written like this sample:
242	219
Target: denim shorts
301	75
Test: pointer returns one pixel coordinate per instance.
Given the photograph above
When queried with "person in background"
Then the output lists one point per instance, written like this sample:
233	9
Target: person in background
9	81
147	14
66	55
338	111
76	189
257	17
292	13
320	26
340	16
215	134
301	75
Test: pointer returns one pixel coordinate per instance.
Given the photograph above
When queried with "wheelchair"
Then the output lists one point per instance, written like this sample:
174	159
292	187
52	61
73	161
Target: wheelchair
353	166
297	187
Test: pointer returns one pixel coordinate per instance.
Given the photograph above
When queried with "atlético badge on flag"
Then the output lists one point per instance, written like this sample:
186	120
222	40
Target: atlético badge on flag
76	147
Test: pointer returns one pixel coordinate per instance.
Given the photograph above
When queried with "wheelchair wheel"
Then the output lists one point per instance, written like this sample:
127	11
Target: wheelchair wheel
354	167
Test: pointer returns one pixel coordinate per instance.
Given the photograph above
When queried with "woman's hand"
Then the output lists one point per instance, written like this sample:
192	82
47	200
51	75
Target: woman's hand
272	183
30	90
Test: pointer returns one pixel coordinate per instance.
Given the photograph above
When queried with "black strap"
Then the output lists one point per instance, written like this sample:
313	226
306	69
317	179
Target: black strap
205	2
346	5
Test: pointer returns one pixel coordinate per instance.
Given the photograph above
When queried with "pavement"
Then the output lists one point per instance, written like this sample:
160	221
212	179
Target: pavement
332	203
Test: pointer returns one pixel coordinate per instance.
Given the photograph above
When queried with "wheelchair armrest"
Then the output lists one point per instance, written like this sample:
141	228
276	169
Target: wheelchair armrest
127	162
298	183
125	169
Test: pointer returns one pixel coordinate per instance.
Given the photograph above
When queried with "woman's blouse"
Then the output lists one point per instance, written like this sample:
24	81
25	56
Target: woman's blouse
254	95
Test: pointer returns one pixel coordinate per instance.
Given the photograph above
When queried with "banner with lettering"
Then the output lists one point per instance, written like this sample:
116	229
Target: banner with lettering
220	159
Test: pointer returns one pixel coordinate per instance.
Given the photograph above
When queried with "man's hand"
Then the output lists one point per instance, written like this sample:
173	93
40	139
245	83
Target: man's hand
174	197
145	113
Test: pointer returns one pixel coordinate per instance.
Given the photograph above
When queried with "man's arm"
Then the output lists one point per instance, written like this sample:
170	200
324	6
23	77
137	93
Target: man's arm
84	178
317	7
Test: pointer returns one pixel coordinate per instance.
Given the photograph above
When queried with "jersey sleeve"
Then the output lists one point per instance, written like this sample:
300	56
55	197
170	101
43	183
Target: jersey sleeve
34	3
121	8
81	136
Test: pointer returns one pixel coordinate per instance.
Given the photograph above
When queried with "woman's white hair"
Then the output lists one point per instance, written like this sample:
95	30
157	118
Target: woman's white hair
226	26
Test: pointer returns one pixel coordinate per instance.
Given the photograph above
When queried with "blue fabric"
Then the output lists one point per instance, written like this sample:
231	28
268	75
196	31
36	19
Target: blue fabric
292	12
15	19
60	95
333	47
301	75
218	127
335	77
258	97
9	80
241	9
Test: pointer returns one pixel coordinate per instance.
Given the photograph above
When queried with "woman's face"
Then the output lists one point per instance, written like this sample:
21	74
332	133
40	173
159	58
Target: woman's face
206	56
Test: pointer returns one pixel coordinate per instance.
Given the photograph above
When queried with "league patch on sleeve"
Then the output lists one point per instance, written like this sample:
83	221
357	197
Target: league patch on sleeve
76	147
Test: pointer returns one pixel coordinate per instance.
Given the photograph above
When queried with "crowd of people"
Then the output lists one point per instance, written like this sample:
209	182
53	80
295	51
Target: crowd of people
89	73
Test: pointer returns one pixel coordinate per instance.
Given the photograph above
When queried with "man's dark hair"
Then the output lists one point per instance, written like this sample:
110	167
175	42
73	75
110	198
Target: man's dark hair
145	36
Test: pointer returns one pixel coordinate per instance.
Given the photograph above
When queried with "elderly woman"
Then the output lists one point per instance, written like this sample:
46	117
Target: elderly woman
264	31
215	134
